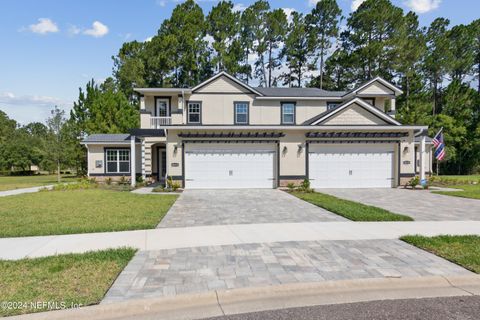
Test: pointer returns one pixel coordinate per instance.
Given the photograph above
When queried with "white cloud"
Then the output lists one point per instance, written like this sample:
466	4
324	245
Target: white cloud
312	3
43	26
12	99
355	4
288	13
423	6
239	7
161	3
98	30
148	39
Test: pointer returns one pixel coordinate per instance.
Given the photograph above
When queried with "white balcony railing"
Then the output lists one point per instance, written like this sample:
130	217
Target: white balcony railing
157	122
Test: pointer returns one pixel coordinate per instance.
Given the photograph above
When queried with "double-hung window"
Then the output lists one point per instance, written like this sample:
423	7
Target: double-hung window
288	113
241	112
332	105
118	161
194	110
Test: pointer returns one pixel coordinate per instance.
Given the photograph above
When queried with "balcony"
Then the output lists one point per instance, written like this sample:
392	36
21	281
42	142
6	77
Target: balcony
158	122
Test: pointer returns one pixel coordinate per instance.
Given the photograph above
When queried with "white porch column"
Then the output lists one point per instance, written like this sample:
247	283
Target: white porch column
144	176
133	165
142	102
422	156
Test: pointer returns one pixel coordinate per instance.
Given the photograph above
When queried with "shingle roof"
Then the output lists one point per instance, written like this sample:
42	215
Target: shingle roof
428	140
298	92
121	137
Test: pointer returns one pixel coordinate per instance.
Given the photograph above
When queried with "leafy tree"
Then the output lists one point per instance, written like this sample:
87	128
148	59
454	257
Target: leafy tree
190	55
323	23
276	26
475	29
223	27
296	51
103	109
55	151
258	12
436	59
461	53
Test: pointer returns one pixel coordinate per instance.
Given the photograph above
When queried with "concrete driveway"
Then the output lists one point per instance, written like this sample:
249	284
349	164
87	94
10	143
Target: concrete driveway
421	205
241	206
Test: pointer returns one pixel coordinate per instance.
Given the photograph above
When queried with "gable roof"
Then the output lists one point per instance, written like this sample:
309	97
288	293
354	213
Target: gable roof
327	114
384	82
299	92
229	76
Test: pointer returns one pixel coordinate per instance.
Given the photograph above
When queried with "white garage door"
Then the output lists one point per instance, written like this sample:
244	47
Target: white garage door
229	166
351	166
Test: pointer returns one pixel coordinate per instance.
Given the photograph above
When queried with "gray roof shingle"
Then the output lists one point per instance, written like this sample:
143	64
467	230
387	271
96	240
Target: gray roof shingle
298	92
120	137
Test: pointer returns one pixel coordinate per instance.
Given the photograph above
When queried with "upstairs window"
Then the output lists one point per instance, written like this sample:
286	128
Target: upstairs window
332	105
194	109
118	161
288	113
370	101
241	112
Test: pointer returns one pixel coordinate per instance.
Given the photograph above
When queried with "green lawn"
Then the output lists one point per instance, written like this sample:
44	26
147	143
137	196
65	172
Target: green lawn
80	211
462	250
468	191
18	182
349	209
63	280
462	177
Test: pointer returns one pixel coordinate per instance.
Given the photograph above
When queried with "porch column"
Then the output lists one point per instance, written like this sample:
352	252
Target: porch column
144	176
422	156
133	166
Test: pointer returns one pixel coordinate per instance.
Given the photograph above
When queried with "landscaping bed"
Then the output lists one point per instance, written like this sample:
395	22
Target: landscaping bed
462	250
80	211
59	282
349	209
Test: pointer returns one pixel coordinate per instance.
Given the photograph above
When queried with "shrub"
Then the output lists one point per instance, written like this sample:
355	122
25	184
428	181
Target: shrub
305	186
123	180
108	181
174	186
291	186
414	182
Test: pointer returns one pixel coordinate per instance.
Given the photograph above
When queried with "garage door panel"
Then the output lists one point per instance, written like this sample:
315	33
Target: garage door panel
352	166
243	166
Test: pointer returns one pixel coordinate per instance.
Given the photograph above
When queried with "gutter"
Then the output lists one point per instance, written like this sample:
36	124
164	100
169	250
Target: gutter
292	128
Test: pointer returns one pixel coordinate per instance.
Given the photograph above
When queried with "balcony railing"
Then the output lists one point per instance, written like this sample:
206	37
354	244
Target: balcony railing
157	122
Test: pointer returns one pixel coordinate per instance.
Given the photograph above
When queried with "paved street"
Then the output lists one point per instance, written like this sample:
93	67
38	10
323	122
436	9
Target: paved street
193	270
241	206
451	308
421	205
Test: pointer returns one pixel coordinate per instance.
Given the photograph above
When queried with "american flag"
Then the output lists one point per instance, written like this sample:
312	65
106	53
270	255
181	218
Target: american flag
439	146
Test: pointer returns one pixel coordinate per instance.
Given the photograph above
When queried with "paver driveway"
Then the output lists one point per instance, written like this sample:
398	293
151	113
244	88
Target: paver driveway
421	205
192	270
241	206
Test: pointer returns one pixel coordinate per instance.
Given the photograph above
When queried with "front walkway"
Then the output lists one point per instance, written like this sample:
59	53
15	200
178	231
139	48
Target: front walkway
421	205
175	238
23	190
241	206
194	270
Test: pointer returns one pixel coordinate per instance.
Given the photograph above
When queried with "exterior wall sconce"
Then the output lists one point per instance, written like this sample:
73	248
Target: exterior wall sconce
300	147
284	150
175	149
405	149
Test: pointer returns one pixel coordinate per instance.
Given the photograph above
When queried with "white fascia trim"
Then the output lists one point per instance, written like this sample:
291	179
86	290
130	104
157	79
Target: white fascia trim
223	73
108	143
299	98
379	79
359	101
162	90
309	127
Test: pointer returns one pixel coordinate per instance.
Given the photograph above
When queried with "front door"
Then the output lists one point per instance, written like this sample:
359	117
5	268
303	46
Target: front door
162	164
163	107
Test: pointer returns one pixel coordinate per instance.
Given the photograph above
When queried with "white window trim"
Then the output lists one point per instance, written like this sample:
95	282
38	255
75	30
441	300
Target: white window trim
199	112
118	161
292	113
246	113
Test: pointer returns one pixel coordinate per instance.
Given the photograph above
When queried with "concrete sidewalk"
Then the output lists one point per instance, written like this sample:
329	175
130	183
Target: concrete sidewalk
23	190
174	238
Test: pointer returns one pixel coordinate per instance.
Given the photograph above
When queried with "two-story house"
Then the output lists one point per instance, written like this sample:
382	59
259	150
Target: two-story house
224	133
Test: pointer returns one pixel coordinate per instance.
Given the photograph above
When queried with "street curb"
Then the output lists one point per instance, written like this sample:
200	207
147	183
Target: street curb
228	302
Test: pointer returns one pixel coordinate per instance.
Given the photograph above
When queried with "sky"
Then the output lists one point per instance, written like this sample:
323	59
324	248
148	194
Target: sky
51	48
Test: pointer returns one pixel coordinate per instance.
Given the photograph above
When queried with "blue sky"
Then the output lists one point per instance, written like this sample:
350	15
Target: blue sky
50	48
